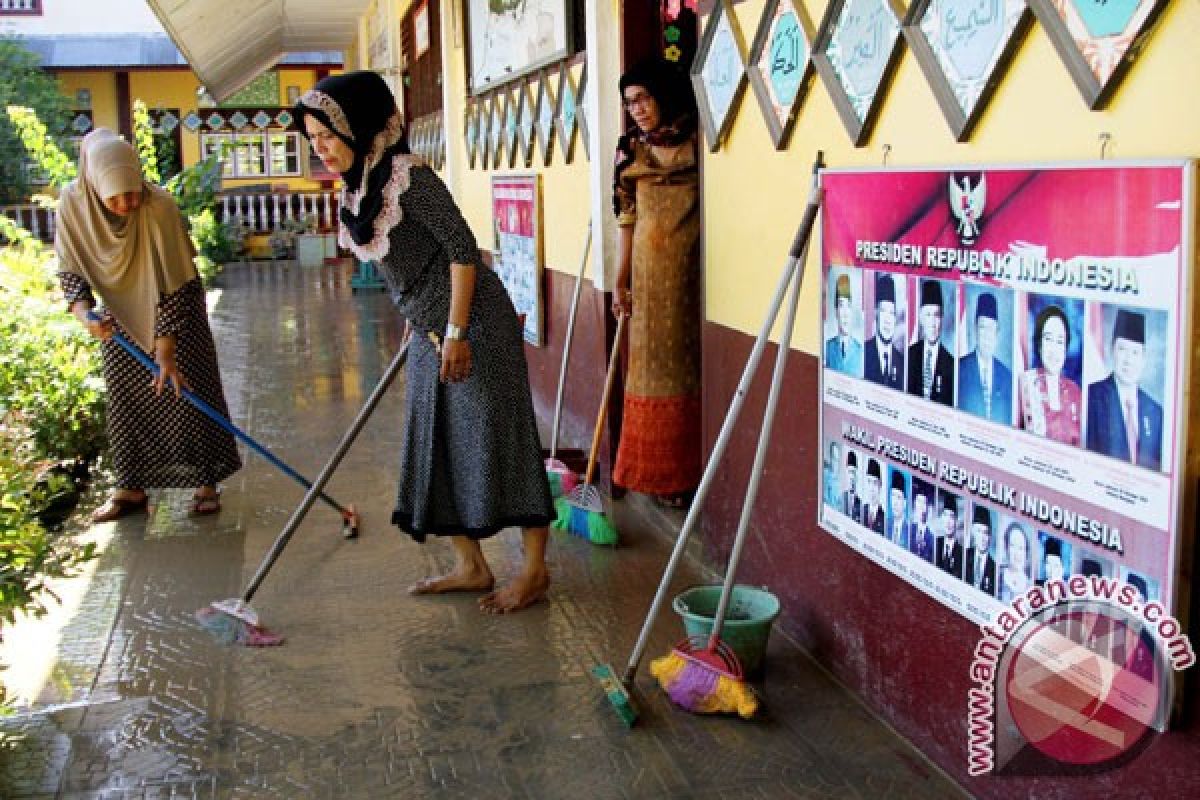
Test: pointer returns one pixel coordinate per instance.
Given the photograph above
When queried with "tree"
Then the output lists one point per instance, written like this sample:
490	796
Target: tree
23	83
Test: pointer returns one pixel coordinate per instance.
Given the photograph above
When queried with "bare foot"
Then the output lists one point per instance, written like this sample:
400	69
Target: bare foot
523	591
462	578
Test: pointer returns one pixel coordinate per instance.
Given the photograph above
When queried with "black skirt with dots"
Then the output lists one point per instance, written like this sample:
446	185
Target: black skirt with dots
164	441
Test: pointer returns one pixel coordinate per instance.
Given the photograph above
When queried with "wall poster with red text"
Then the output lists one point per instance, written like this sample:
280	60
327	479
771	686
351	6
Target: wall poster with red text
1004	356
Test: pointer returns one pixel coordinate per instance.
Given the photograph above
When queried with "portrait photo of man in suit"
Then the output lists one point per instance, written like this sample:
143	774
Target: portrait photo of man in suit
897	516
872	511
851	504
883	362
1056	557
930	365
842	351
1123	420
984	380
948	550
920	536
829	475
980	568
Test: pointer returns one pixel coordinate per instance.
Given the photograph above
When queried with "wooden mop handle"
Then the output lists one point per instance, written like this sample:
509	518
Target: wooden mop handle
608	382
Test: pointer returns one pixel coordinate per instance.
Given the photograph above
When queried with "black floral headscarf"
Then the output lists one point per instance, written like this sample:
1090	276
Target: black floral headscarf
360	109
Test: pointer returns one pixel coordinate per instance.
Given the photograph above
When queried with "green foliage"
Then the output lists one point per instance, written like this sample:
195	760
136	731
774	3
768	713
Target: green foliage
143	142
195	188
50	381
23	83
51	408
41	146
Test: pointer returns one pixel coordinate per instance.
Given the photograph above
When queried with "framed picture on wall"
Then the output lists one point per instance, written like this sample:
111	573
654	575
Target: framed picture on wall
508	39
518	260
527	121
719	72
856	52
567	112
546	108
421	28
963	51
581	112
1097	39
471	132
781	66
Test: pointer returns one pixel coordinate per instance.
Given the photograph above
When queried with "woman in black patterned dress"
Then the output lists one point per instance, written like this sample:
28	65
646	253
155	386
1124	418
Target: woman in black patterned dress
124	239
471	460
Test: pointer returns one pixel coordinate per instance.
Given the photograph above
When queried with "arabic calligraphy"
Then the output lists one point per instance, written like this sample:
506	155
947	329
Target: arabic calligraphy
787	58
722	71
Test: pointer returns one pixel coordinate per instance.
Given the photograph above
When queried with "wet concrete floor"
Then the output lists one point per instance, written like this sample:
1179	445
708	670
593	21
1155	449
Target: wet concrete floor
377	694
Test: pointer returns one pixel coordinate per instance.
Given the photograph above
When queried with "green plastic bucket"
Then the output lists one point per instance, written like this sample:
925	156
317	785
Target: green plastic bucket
747	623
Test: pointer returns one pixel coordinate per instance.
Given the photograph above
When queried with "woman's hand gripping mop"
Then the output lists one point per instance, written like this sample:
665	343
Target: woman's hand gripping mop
349	515
582	510
702	674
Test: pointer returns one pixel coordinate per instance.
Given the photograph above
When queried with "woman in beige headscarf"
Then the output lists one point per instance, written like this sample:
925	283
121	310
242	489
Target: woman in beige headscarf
124	239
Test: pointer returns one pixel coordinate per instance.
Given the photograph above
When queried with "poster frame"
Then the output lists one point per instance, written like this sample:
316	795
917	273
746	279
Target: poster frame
534	331
515	71
780	132
1185	504
715	134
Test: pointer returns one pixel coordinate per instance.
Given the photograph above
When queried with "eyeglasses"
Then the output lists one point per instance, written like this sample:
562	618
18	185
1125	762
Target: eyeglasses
644	100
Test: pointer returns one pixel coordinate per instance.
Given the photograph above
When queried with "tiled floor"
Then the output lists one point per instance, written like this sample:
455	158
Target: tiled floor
377	694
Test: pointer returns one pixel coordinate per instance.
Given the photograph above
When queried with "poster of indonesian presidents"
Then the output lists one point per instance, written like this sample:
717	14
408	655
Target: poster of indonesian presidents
1004	354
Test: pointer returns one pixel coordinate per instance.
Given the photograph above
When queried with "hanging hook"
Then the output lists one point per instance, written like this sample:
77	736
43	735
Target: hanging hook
887	151
1105	140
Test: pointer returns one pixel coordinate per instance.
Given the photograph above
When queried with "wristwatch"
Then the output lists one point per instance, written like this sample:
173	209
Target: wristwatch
455	332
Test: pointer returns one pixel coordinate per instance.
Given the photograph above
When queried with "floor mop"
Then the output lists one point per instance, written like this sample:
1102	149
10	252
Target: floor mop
617	691
233	620
349	515
561	476
582	511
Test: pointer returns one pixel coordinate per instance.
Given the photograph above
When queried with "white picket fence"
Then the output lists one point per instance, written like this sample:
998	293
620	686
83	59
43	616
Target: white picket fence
256	212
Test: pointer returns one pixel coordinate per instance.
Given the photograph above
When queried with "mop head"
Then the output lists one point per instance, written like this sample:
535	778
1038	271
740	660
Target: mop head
228	629
594	526
562	480
701	687
616	694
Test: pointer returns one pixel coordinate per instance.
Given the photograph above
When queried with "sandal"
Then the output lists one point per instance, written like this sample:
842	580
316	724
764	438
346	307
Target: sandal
204	504
116	507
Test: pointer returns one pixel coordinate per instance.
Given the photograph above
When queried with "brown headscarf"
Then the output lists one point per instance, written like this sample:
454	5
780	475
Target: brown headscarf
132	261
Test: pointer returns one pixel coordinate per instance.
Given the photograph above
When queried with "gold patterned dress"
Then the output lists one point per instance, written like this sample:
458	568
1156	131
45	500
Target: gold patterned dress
660	448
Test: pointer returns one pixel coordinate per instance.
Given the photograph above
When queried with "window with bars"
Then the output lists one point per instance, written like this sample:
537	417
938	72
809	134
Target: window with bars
255	155
15	7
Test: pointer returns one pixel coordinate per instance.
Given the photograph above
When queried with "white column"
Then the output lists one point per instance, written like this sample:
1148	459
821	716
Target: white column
329	218
603	110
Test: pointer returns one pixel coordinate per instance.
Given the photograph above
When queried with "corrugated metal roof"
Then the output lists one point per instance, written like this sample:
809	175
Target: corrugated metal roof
63	51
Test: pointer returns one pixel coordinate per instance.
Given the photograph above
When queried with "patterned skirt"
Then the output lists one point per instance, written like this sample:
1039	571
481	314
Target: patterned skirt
471	461
164	441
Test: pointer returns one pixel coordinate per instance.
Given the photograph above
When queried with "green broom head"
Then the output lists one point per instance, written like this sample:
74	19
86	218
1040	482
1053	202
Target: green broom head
600	529
562	511
616	694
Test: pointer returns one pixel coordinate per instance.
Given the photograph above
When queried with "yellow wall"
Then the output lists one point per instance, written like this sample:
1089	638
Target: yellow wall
1036	114
104	94
173	88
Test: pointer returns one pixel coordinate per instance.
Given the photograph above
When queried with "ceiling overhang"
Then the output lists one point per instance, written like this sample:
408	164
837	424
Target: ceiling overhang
228	44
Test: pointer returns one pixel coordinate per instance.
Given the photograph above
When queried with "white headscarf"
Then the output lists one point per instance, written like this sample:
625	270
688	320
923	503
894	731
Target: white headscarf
132	261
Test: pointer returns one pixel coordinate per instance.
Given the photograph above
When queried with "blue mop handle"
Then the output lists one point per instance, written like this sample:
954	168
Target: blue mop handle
217	417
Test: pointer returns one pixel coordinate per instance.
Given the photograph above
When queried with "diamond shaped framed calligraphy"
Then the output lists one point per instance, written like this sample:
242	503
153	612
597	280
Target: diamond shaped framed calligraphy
1097	39
719	72
496	129
964	47
526	120
855	53
567	113
471	131
780	65
581	111
512	127
544	111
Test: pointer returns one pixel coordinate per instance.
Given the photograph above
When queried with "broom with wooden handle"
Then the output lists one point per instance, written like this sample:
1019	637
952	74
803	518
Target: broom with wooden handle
582	510
561	476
